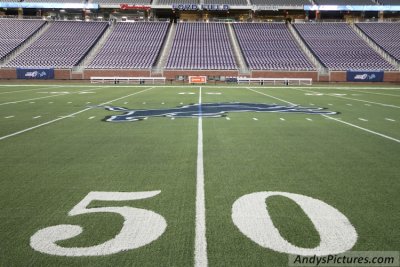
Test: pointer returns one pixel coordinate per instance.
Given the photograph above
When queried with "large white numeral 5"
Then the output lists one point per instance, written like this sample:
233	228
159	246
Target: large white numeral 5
140	227
250	215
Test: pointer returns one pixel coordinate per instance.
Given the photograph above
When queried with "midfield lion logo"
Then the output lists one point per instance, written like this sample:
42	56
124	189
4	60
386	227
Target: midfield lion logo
208	110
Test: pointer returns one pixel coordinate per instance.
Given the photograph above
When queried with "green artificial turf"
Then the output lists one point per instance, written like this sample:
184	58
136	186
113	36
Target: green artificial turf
46	171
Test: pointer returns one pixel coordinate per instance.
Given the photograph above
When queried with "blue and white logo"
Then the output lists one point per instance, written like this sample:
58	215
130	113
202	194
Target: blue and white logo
208	110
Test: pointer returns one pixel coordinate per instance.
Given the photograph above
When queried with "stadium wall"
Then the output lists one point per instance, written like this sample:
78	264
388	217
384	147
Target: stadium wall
333	76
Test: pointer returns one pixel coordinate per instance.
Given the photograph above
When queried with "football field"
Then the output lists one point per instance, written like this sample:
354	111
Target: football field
120	175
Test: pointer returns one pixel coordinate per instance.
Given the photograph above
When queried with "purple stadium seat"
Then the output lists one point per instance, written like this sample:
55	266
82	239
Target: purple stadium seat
131	45
340	48
270	46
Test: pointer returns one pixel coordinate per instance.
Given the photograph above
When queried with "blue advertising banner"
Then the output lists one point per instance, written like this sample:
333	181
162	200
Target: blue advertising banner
364	76
30	73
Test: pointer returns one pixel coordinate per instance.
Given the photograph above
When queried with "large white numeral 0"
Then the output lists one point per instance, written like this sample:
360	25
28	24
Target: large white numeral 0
250	215
140	227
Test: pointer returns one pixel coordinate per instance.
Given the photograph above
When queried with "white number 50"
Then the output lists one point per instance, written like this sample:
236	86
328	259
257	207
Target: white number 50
140	227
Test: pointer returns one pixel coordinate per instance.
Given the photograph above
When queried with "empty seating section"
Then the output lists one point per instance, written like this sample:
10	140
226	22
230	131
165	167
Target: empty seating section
201	46
14	32
54	1
63	45
131	45
280	2
386	35
270	46
227	2
340	48
344	2
117	2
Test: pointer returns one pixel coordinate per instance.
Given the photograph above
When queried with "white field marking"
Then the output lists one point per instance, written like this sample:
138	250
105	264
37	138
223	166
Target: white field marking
200	245
88	102
61	94
186	93
361	119
69	102
389	119
213	93
26	100
162	103
368	105
337	119
31	102
172	118
37	117
140	227
144	103
181	103
330	104
349	104
72	114
251	216
91	118
312	104
355	99
255	119
364	129
22	91
308	119
373	93
282	119
51	102
228	119
9	117
125	103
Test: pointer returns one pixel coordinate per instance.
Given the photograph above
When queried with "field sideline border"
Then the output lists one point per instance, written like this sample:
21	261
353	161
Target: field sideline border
330	87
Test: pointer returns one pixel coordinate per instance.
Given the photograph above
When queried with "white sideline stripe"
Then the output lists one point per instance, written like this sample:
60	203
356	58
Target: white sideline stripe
37	117
90	118
354	99
21	91
255	119
25	100
338	120
364	129
200	246
70	115
364	92
389	119
361	119
9	117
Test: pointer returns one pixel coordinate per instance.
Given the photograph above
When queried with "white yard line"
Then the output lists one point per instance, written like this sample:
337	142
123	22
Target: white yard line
348	98
335	119
255	119
67	116
200	246
389	119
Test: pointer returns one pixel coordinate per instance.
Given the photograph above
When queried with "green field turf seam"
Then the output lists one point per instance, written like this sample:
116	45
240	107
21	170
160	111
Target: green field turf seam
329	117
73	114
